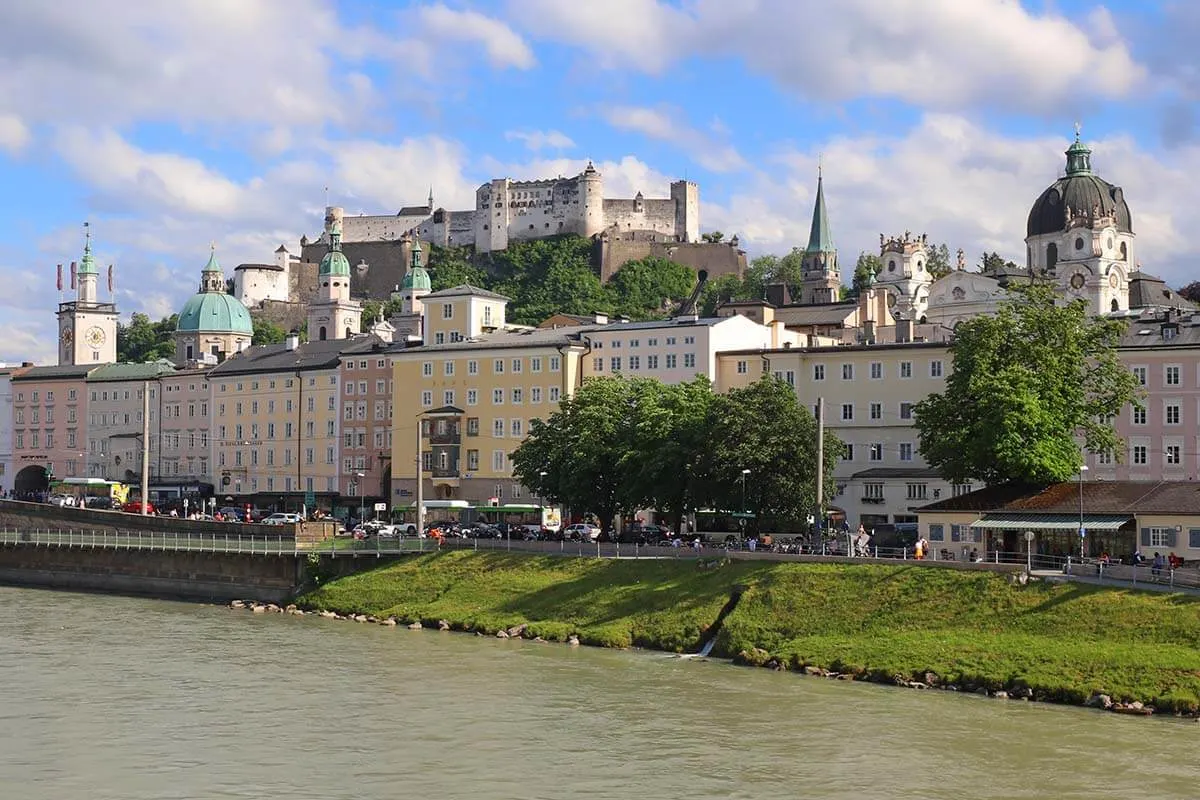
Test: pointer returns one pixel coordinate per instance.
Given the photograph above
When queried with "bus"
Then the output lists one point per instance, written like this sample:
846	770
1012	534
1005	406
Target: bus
87	490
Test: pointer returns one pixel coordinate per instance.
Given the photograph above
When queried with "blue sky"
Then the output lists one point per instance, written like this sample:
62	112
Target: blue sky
171	125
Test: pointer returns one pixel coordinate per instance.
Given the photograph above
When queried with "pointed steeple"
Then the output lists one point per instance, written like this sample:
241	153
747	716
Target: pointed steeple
820	238
212	265
87	265
431	198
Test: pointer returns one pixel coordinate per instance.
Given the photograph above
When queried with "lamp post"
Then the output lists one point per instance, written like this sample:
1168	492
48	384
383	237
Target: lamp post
745	472
358	484
420	480
541	500
1082	531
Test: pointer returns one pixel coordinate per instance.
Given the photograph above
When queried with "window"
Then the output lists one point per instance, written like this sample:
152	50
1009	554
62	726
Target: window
555	363
535	394
876	452
742	368
426	371
818	372
1140	374
518	396
447	400
472	426
472	397
554	393
848	452
937	533
847	412
598	364
917	491
1171	375
472	459
847	372
447	311
498	428
1172	454
873	491
1171	413
906	451
535	364
497	397
652	362
689	360
614	364
876	370
515	428
671	361
1158	537
1139	416
1104	458
448	368
935	368
635	362
427	398
905	369
876	411
516	365
960	489
906	411
472	367
498	366
497	460
1139	454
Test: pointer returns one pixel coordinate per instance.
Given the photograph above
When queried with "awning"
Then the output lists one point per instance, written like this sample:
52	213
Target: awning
1052	522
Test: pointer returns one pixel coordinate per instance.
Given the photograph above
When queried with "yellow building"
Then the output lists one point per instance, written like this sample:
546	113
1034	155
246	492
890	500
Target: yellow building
475	399
275	429
868	392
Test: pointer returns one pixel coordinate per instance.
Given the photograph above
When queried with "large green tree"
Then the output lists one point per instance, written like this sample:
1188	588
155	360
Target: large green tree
937	261
452	266
267	332
1025	384
764	429
650	287
143	340
867	265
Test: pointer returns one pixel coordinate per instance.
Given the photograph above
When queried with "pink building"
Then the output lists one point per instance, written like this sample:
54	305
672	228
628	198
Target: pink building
364	474
49	426
1162	440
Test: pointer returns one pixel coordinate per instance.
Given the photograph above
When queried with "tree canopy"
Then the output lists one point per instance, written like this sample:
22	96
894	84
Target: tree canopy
266	331
1025	384
621	444
143	340
868	265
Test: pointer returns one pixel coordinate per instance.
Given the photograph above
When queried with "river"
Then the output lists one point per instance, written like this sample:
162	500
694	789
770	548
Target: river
121	698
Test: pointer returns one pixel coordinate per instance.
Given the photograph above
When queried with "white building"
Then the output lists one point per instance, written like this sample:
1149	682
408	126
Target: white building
87	328
254	283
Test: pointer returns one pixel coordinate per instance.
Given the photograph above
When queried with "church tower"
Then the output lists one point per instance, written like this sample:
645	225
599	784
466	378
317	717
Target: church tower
904	275
87	328
332	314
821	281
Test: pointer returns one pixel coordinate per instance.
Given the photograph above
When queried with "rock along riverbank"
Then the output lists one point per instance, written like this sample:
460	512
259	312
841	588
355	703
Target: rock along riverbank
1129	652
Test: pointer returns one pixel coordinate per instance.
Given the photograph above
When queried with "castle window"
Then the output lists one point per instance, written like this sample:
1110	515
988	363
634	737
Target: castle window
1122	251
891	266
1078	242
1051	255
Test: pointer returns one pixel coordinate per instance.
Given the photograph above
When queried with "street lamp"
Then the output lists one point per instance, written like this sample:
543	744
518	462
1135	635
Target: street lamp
1082	531
745	472
362	513
541	500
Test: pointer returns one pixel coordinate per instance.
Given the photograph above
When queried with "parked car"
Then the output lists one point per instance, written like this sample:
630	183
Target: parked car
232	513
101	503
135	507
62	500
482	530
282	519
581	532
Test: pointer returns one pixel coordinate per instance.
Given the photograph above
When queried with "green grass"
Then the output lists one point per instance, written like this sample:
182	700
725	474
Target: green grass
973	629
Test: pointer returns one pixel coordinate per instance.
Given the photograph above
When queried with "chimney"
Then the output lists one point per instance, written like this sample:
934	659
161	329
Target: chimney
292	341
777	294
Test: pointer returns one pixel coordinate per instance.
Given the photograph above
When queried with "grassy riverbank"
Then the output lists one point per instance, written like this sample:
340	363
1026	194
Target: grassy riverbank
971	629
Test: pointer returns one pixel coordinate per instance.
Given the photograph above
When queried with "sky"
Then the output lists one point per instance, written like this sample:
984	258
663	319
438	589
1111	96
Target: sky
170	126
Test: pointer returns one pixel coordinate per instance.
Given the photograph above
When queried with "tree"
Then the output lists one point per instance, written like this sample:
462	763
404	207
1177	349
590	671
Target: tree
790	269
142	340
937	261
1025	383
994	262
1191	292
452	266
374	311
763	428
647	288
267	332
720	290
713	237
576	456
867	264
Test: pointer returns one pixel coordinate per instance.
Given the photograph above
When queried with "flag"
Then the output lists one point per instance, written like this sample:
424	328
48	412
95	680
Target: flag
59	277
72	274
110	278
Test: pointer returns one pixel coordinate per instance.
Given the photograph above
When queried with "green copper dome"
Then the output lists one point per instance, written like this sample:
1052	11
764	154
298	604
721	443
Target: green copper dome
215	312
418	278
87	265
335	263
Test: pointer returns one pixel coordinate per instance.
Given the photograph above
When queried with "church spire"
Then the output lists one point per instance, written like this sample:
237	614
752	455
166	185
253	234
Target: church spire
1079	157
820	239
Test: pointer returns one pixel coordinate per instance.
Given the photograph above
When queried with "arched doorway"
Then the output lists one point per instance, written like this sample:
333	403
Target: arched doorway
31	480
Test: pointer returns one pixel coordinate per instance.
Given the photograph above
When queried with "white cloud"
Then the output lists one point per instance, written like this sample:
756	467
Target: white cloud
960	183
14	136
666	124
940	54
503	46
541	140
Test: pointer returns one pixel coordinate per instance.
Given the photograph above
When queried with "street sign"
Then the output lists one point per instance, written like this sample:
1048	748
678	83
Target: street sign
1029	536
381	506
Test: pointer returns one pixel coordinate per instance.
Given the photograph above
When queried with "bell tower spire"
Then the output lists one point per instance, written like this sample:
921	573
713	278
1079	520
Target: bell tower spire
822	281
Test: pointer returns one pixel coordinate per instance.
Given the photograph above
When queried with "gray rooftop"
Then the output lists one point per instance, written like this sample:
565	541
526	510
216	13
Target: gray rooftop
130	372
308	356
464	290
48	373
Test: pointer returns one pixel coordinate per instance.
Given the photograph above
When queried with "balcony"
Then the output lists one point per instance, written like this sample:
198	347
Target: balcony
445	472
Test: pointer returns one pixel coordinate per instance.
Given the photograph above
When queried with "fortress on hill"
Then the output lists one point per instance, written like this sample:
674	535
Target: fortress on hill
379	247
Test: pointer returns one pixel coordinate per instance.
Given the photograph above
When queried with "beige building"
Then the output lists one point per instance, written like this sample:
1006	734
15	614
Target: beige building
115	447
185	457
868	392
275	432
365	428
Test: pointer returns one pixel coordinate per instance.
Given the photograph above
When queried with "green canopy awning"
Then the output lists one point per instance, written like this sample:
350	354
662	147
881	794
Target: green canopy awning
1052	522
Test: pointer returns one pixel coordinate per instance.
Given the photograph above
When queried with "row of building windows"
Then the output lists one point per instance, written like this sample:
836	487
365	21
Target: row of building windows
250	458
288	383
381	386
515	396
36	394
288	430
362	364
1172	374
615	344
515	366
670	361
875	370
36	417
287	484
875	450
875	412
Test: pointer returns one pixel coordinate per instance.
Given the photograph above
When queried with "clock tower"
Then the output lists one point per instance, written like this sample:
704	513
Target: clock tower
87	328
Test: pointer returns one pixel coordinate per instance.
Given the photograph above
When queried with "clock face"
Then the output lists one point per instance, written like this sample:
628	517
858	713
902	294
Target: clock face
891	299
1113	280
95	336
1077	280
67	336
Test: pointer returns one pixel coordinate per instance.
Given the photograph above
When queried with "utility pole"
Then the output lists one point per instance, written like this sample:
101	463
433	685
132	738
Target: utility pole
145	447
420	489
820	463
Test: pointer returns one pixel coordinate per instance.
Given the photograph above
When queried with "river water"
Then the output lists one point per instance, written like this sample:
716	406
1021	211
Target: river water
109	697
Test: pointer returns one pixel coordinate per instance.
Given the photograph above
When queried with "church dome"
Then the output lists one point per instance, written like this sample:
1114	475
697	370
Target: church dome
215	312
335	263
1081	191
417	278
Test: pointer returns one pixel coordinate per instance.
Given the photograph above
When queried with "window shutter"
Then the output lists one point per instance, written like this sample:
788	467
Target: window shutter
1171	537
1145	537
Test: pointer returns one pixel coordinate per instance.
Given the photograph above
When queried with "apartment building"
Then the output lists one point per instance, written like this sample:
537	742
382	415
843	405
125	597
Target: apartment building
114	416
185	455
366	427
868	393
50	431
676	350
